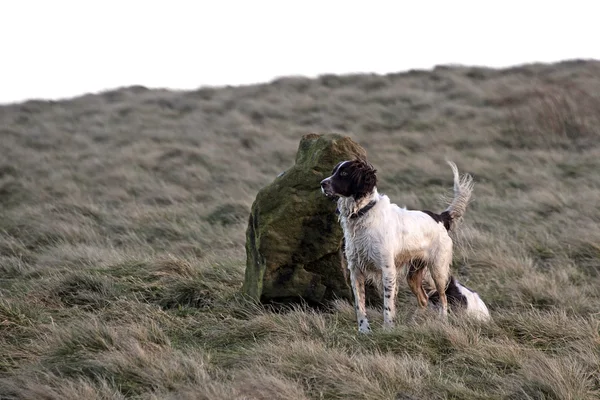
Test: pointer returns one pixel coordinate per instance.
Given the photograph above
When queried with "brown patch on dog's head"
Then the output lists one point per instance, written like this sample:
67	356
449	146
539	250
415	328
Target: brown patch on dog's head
354	178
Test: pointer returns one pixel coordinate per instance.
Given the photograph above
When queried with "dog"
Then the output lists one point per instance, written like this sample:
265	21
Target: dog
461	299
380	237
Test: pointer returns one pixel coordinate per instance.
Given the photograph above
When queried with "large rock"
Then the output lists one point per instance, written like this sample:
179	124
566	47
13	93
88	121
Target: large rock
293	238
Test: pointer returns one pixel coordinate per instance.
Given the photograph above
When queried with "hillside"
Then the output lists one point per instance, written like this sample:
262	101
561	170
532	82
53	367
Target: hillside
123	218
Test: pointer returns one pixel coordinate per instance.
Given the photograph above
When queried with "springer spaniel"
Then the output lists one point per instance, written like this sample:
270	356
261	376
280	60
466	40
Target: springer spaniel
381	237
463	299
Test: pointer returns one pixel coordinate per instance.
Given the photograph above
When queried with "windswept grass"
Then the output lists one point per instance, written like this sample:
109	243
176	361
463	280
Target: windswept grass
122	229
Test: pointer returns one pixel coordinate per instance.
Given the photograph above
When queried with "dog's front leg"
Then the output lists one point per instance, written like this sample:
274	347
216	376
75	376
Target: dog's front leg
388	274
357	279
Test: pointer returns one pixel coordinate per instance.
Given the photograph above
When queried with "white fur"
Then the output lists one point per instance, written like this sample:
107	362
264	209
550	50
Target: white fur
476	308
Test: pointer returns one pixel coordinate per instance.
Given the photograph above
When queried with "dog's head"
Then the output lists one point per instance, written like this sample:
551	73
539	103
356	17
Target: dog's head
354	178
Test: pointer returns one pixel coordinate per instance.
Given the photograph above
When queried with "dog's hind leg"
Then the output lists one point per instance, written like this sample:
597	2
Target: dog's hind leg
416	270
357	279
440	272
441	287
388	274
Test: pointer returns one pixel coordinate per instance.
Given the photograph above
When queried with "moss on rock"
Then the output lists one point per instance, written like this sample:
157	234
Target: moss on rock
293	237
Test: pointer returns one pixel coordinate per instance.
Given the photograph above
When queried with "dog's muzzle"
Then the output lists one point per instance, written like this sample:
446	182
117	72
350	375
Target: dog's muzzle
326	187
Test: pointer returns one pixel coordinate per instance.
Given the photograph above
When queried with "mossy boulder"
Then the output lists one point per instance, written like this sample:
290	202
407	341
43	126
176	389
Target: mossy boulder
293	238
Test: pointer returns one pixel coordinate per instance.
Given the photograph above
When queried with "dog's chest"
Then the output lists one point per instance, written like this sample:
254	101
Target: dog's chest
365	246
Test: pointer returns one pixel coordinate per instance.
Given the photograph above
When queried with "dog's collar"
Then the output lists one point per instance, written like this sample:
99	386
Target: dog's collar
363	210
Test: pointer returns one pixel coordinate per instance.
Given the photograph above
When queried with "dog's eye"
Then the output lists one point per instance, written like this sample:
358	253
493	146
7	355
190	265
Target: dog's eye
343	173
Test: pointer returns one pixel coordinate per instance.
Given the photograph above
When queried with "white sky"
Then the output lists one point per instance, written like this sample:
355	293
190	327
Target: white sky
60	48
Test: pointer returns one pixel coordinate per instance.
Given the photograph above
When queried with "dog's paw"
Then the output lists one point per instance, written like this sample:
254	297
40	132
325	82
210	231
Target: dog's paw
364	327
388	326
443	315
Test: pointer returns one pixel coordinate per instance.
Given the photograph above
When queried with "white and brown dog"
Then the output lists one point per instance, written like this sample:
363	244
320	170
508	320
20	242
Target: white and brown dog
381	237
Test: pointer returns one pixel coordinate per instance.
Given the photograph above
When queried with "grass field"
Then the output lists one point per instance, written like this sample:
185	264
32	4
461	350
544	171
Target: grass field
123	218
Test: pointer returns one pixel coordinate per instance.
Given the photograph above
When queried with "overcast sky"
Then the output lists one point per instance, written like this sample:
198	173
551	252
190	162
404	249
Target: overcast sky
59	48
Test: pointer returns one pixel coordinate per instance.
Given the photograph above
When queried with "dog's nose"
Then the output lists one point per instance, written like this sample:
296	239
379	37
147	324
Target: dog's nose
324	182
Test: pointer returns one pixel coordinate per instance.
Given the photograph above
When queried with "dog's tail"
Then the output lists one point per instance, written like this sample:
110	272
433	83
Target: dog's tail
463	187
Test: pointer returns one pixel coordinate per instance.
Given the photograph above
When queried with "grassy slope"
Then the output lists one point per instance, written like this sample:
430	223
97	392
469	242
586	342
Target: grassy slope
122	221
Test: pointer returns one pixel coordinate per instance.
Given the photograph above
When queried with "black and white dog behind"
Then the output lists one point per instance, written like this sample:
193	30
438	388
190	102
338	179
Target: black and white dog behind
462	299
381	237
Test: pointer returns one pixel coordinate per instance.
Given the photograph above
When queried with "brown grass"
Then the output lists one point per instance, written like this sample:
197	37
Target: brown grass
122	221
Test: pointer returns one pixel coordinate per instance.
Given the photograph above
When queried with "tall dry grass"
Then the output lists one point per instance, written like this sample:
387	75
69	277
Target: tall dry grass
122	221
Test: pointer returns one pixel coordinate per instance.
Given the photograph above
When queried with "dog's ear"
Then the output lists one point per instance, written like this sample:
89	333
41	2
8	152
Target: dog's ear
365	178
371	178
